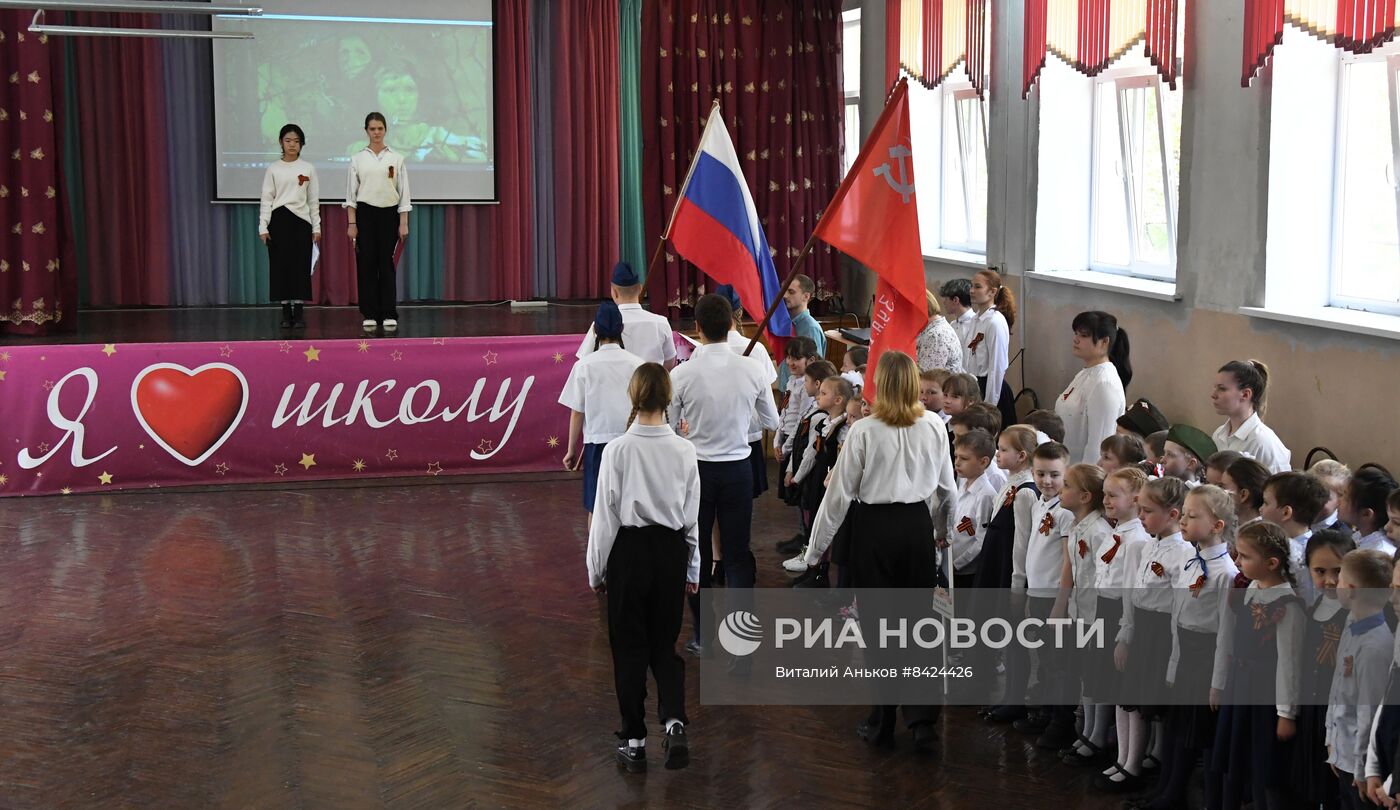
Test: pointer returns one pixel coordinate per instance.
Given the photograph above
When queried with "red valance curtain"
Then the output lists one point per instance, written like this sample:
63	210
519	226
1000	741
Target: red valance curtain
776	69
1089	35
936	36
37	274
1357	26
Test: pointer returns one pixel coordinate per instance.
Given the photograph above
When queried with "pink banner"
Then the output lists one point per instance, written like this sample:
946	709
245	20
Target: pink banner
119	416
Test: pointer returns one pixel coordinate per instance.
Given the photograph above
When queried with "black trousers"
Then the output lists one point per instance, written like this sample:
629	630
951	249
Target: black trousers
1057	688
726	496
374	261
1006	403
646	603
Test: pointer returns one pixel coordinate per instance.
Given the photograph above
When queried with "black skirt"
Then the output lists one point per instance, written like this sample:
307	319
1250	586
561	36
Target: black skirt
288	256
758	459
1191	692
1101	679
1148	655
893	547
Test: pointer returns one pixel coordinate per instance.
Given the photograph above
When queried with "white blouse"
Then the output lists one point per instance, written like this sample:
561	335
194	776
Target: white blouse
988	351
884	464
1256	440
646	335
1114	562
1090	408
292	186
1151	579
1022	507
939	347
378	179
597	388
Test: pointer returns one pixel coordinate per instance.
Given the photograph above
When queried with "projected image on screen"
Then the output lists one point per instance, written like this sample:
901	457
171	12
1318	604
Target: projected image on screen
325	65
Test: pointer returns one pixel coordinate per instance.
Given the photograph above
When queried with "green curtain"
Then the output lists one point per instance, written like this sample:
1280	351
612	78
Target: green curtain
630	140
73	170
423	261
247	258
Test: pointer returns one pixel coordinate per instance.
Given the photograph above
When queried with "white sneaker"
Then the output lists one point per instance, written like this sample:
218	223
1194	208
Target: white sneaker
369	325
390	324
797	564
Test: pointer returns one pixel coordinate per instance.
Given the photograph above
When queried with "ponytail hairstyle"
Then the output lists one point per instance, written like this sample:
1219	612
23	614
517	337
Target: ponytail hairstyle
1003	300
1271	542
649	390
1251	376
1249	476
1090	478
1099	325
1369	488
1168	493
1221	507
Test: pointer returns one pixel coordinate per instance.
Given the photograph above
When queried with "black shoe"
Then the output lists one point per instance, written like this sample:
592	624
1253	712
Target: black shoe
676	747
633	759
1056	737
793	545
924	738
1006	714
1033	723
298	316
813	578
1131	784
286	316
695	648
878	737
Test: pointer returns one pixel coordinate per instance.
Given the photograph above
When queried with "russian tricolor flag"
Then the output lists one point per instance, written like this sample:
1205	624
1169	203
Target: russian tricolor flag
715	227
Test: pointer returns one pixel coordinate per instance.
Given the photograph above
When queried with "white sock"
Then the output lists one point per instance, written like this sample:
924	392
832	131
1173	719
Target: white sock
1120	721
1103	716
1137	743
637	743
670	724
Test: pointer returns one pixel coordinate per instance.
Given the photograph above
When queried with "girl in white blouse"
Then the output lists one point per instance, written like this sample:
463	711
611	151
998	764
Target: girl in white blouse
376	195
1094	400
289	221
989	342
1238	395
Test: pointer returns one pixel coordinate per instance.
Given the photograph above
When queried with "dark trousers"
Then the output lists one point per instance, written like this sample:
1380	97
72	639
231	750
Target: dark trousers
374	261
1056	687
646	588
1006	403
726	495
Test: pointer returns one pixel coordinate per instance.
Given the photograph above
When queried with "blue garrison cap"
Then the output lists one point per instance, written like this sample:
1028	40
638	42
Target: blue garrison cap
608	322
624	276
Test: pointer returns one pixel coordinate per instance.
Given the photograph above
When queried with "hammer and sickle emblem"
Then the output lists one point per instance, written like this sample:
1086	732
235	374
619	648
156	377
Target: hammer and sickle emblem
905	184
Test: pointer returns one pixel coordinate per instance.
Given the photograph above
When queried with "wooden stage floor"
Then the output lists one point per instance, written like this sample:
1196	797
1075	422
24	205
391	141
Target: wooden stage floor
429	646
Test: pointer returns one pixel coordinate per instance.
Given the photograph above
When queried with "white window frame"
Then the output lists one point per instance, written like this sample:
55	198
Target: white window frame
952	94
1127	79
1334	296
851	111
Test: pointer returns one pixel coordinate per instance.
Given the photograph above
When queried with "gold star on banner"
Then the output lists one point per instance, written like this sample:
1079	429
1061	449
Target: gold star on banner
4	480
435	468
43	447
66	491
359	465
220	468
105	478
558	357
396	355
363	346
312	353
484	446
280	469
308	460
4	357
284	347
48	385
392	455
2	376
110	349
489	357
552	441
225	350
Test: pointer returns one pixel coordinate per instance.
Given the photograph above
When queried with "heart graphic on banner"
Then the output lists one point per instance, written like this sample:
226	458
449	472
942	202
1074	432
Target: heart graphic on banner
188	412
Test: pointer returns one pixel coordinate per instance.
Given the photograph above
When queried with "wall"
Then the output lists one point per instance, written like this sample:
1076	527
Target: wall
1329	387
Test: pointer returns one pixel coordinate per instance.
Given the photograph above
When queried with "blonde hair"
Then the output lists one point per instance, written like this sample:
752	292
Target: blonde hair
1088	477
1370	569
934	307
1270	540
1131	477
1221	506
1332	473
935	376
1021	437
896	390
649	389
1168	493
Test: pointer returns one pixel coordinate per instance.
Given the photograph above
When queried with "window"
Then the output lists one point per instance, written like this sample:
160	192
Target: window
1136	151
948	126
1366	190
850	72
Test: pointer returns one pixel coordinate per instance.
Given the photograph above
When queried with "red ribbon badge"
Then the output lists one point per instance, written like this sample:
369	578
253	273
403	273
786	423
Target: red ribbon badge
1068	391
391	172
1108	556
1010	497
977	341
1157	569
303	179
1196	586
1046	524
1083	548
967	527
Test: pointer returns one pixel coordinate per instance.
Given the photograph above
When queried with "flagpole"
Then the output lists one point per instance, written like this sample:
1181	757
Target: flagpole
787	282
666	233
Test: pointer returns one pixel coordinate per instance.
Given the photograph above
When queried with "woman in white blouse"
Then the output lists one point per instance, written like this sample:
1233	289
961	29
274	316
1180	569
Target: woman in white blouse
894	481
1239	397
989	341
377	196
1094	400
938	345
289	221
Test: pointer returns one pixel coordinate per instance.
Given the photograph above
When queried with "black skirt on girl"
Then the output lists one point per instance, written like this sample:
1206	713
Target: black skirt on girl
1102	680
1312	778
1191	692
288	256
1146	671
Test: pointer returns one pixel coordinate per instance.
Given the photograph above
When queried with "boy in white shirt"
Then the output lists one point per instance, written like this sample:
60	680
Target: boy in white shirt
1294	500
1363	664
972	455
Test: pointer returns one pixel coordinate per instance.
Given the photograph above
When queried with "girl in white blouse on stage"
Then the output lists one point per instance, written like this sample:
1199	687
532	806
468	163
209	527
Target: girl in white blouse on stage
1094	400
289	221
376	195
989	342
1238	395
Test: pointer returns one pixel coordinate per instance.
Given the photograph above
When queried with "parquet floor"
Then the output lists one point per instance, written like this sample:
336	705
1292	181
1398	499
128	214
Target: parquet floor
405	647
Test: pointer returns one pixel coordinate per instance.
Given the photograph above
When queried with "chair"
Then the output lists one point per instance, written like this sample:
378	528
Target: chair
1021	411
1308	462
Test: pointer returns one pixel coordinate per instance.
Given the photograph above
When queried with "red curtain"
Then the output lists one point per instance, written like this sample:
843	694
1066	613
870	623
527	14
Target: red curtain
938	35
587	202
776	68
1357	26
1089	35
37	271
121	102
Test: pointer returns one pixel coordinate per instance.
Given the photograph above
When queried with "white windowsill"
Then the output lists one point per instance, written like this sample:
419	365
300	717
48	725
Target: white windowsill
1128	285
976	261
1341	320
